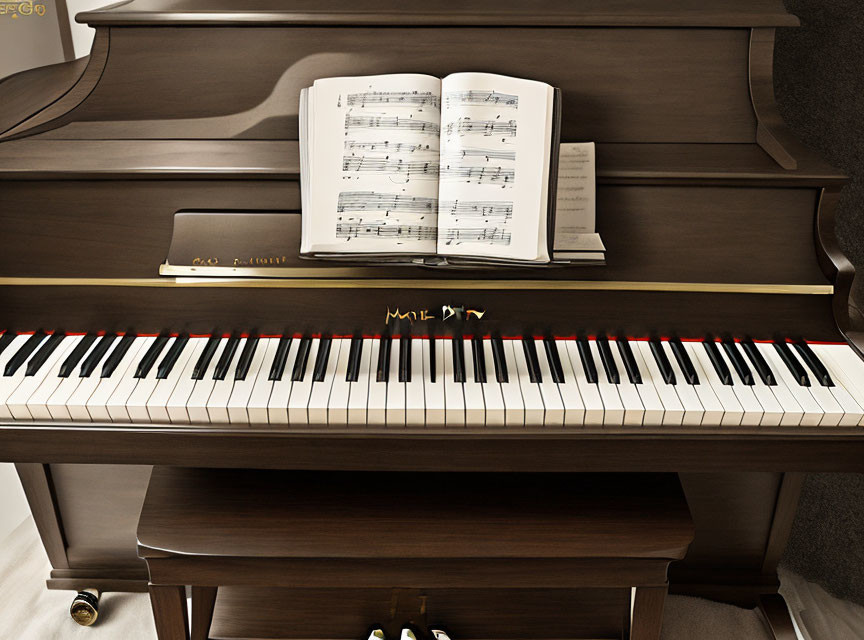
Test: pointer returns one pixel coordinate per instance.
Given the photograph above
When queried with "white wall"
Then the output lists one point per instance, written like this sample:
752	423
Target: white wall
13	504
82	35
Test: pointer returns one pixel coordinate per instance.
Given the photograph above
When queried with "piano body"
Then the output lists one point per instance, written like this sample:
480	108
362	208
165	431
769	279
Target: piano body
718	225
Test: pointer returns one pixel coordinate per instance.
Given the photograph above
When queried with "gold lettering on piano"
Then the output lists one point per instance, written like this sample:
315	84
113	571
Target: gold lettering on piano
261	261
447	312
205	262
25	8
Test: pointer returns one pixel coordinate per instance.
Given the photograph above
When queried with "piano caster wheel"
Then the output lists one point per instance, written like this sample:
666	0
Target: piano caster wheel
85	607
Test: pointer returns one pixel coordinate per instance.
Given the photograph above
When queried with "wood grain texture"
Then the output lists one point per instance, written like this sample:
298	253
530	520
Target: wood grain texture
647	613
39	489
784	516
203	601
169	612
777	616
771	133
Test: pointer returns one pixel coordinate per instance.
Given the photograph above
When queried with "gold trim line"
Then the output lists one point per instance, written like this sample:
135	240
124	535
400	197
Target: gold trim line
390	283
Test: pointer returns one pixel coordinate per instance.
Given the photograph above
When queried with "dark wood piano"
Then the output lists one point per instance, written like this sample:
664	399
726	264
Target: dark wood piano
719	228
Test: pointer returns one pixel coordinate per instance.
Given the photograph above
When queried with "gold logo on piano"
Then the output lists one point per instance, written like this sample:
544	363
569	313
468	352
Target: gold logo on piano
261	261
25	8
447	312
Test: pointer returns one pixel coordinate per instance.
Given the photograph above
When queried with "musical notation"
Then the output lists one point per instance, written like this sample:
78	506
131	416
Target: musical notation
465	126
391	122
479	175
383	166
480	98
388	147
393	99
478	209
348	231
387	202
489	154
485	235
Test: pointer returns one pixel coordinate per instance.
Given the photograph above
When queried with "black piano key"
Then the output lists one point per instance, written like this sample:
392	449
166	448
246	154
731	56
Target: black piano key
684	361
759	363
45	350
662	360
629	361
432	367
225	358
172	356
150	357
815	365
246	356
608	361
792	363
405	359
116	356
205	357
738	361
587	359
354	356
500	362
302	358
78	352
279	360
23	353
95	357
321	359
6	339
458	359
479	359
383	366
718	361
531	358
554	359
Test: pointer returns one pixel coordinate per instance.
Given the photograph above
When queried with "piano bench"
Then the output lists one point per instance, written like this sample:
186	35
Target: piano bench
489	555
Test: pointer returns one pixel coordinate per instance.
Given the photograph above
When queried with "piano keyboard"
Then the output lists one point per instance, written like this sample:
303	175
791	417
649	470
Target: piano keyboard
405	381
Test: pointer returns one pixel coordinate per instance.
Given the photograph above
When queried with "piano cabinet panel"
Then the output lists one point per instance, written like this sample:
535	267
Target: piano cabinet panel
122	229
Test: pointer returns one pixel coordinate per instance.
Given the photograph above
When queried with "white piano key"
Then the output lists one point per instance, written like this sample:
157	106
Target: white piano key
8	383
531	396
711	405
832	412
655	412
56	404
552	402
511	391
337	406
847	371
136	405
590	392
301	390
754	413
434	391
792	413
574	408
37	403
693	410
196	404
454	398
241	394
26	396
492	396
319	399
157	404
262	386
811	411
773	413
358	396
217	403
613	414
733	412
280	390
121	378
634	410
395	414
475	406
77	405
177	401
116	404
673	410
376	407
415	404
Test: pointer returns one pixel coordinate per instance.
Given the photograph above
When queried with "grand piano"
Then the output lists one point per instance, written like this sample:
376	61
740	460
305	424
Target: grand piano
721	341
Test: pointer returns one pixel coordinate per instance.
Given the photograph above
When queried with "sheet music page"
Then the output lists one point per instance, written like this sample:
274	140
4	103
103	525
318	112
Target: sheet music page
576	202
495	138
374	164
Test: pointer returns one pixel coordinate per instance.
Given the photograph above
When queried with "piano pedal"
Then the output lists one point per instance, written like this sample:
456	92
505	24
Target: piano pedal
85	607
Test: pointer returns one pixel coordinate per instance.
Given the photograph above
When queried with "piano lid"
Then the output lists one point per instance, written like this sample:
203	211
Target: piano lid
558	13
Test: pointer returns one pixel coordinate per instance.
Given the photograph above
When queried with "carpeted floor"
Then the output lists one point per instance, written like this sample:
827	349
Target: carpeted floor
819	83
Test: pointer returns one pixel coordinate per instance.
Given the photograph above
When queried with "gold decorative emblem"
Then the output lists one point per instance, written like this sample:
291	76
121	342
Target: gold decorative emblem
447	312
25	8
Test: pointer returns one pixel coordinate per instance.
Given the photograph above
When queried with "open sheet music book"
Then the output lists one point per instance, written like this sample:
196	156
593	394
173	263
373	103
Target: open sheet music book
412	168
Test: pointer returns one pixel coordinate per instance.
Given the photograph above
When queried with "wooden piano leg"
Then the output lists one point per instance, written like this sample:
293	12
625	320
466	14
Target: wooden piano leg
776	613
203	601
169	612
647	613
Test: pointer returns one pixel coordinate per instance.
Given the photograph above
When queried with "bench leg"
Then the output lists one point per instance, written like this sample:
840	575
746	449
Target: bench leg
169	612
647	613
203	601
